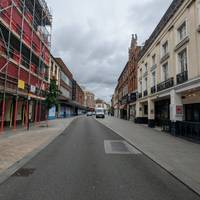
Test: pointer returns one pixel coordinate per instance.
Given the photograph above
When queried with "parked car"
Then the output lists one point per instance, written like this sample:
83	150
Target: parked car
100	113
89	114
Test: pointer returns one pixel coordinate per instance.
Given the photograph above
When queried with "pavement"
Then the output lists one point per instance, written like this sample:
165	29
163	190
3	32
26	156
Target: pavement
18	147
181	158
88	161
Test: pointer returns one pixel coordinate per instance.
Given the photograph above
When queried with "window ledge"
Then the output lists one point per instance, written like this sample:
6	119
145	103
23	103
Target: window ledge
181	43
164	58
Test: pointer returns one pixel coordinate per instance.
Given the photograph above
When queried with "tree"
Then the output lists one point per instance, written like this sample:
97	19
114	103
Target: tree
52	95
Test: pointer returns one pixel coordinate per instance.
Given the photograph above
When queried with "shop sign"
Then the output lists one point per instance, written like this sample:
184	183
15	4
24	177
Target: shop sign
32	89
179	110
21	84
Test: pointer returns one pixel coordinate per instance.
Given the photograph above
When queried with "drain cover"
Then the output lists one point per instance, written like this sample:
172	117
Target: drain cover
119	147
24	172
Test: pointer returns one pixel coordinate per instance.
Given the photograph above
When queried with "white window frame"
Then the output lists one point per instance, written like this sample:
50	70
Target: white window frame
146	67
162	48
152	79
141	87
179	39
153	59
163	74
178	63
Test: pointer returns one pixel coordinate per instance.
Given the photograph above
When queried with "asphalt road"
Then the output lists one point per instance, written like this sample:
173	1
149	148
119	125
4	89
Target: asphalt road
76	167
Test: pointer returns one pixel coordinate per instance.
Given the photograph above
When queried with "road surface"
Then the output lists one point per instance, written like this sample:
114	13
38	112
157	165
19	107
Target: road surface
90	162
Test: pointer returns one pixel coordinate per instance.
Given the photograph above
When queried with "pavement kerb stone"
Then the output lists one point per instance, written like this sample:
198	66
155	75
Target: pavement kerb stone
20	163
187	181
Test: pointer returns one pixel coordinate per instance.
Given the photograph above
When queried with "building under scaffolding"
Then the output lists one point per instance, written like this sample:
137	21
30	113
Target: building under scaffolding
25	39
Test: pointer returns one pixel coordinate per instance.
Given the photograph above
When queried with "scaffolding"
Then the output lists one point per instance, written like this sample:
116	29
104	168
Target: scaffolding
25	42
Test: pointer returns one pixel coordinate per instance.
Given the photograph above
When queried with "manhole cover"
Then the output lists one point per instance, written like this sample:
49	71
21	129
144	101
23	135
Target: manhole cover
119	147
24	172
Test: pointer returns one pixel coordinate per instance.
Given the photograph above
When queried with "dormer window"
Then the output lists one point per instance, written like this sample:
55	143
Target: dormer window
182	32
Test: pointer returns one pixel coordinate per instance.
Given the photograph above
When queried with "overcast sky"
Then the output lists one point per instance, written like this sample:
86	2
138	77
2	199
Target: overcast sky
93	36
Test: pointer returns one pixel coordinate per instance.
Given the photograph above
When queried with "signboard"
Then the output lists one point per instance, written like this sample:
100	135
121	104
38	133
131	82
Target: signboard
52	113
179	110
21	84
32	89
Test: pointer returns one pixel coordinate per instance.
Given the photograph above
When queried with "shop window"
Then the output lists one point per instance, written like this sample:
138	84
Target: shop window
192	112
146	109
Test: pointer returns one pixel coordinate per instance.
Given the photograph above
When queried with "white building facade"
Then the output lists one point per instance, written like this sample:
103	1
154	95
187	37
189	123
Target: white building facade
169	72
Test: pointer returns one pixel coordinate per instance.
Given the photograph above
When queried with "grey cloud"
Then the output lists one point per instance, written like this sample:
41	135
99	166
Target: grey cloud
94	41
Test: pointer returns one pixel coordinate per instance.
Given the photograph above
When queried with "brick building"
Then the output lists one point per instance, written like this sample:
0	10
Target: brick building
65	108
125	95
89	100
25	35
132	77
78	98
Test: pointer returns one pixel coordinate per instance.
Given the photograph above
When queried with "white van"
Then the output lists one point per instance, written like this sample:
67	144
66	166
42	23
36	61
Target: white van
100	113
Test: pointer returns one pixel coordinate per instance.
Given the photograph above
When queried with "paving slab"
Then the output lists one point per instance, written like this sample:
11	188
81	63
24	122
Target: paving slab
18	147
179	157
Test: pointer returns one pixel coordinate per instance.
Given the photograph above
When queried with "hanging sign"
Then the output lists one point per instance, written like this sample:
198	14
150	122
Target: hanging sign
21	84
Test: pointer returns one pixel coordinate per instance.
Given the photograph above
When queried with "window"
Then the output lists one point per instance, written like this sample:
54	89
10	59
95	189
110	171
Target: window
145	109
198	7
165	72
146	84
140	86
140	72
182	61
154	59
153	78
165	48
146	67
182	32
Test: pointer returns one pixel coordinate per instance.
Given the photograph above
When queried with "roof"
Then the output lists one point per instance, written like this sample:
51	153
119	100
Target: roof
175	5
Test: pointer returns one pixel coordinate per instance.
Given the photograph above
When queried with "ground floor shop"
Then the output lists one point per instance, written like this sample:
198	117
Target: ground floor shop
176	111
19	110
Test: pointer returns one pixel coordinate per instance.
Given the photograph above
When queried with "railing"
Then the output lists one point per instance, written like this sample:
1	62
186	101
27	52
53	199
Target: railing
166	84
140	95
182	77
153	90
166	125
145	93
189	129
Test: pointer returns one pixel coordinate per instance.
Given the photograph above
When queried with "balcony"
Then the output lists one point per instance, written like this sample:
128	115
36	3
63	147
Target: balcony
165	85
139	95
145	93
153	90
182	77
